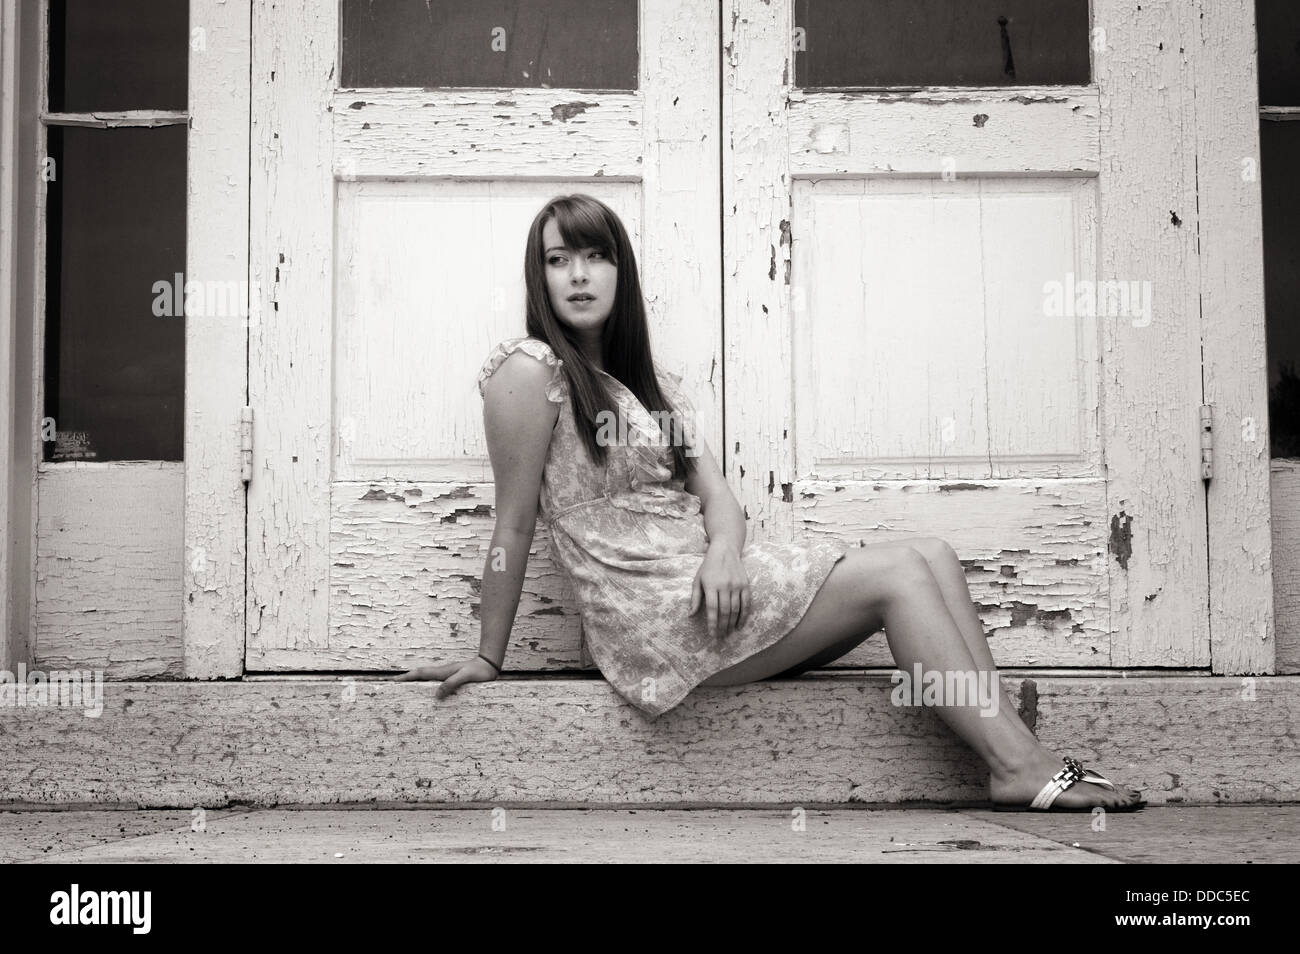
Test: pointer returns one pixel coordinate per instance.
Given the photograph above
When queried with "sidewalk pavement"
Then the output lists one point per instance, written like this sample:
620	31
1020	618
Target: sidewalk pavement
1258	834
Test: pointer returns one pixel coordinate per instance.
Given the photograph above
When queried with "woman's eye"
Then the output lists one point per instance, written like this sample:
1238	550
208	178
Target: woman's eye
599	254
554	260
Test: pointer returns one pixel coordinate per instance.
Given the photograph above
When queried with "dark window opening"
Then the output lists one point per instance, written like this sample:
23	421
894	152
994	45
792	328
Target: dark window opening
115	371
114	381
852	43
116	55
1278	29
562	44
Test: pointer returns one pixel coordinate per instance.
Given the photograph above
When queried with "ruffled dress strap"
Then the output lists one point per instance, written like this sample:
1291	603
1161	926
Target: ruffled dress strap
557	387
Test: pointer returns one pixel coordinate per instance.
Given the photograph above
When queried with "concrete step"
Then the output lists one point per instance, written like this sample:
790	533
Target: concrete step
821	739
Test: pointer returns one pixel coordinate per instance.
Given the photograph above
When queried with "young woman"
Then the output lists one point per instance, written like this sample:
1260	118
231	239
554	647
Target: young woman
581	423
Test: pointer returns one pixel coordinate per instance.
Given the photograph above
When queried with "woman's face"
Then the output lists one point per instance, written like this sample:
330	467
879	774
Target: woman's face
584	273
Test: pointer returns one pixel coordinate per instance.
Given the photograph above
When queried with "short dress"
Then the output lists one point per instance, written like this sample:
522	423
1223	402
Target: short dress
631	539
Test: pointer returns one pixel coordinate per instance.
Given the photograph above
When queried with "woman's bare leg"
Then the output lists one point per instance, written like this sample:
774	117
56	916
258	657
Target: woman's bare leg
948	573
895	587
947	570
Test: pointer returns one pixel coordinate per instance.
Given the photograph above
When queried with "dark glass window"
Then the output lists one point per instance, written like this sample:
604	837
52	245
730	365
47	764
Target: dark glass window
567	44
1278	27
115	371
1280	146
941	43
115	229
114	55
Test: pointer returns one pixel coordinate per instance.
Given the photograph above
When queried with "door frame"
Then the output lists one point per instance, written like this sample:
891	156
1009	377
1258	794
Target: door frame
18	475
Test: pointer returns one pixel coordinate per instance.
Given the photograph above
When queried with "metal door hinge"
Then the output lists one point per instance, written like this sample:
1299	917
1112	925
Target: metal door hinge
246	444
1207	443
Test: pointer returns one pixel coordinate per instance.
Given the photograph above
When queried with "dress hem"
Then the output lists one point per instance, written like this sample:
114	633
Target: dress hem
685	685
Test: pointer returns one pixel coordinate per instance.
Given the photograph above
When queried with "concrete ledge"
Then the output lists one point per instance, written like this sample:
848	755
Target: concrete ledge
822	738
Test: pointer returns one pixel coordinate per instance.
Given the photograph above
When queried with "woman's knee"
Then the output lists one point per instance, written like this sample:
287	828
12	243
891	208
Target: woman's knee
890	572
936	550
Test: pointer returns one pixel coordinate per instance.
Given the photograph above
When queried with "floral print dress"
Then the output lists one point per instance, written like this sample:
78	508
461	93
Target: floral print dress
631	539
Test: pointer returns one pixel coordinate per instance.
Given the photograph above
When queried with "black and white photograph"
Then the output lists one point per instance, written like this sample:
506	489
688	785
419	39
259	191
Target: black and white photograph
651	432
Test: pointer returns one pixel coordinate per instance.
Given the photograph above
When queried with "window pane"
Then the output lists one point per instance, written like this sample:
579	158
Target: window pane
941	42
571	44
1278	28
118	54
1280	155
114	377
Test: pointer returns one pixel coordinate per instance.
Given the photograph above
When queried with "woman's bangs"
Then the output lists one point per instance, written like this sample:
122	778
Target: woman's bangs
583	226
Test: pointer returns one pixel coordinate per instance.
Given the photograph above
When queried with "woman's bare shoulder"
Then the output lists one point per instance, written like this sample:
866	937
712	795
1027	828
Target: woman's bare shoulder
538	364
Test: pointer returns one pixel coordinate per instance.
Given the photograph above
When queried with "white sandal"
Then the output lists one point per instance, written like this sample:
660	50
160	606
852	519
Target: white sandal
1073	773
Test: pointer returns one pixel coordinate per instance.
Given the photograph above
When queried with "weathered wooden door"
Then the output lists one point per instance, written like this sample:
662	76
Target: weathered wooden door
400	152
923	198
954	303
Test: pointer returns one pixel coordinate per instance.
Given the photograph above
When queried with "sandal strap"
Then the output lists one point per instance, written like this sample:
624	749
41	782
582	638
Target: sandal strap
1072	773
1097	779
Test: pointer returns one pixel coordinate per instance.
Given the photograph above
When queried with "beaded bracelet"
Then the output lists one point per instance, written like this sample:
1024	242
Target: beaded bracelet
490	663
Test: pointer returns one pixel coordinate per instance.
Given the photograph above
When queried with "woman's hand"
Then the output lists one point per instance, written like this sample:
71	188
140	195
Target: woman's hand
453	675
722	585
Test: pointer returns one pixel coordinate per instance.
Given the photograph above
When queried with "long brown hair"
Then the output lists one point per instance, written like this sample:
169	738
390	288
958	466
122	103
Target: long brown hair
584	221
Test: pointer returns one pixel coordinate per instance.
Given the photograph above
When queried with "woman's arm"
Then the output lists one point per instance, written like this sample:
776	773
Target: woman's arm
518	421
721	585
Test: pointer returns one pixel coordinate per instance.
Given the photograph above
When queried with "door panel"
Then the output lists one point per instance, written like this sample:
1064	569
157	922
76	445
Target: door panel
388	231
415	286
957	383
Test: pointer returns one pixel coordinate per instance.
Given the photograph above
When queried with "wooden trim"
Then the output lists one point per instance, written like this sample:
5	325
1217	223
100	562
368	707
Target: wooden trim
681	264
291	261
837	133
757	363
20	313
36	353
216	372
1231	241
404	133
1151	374
111	120
11	649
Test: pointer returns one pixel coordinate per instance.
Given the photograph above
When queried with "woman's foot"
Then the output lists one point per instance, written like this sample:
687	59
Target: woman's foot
1019	786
